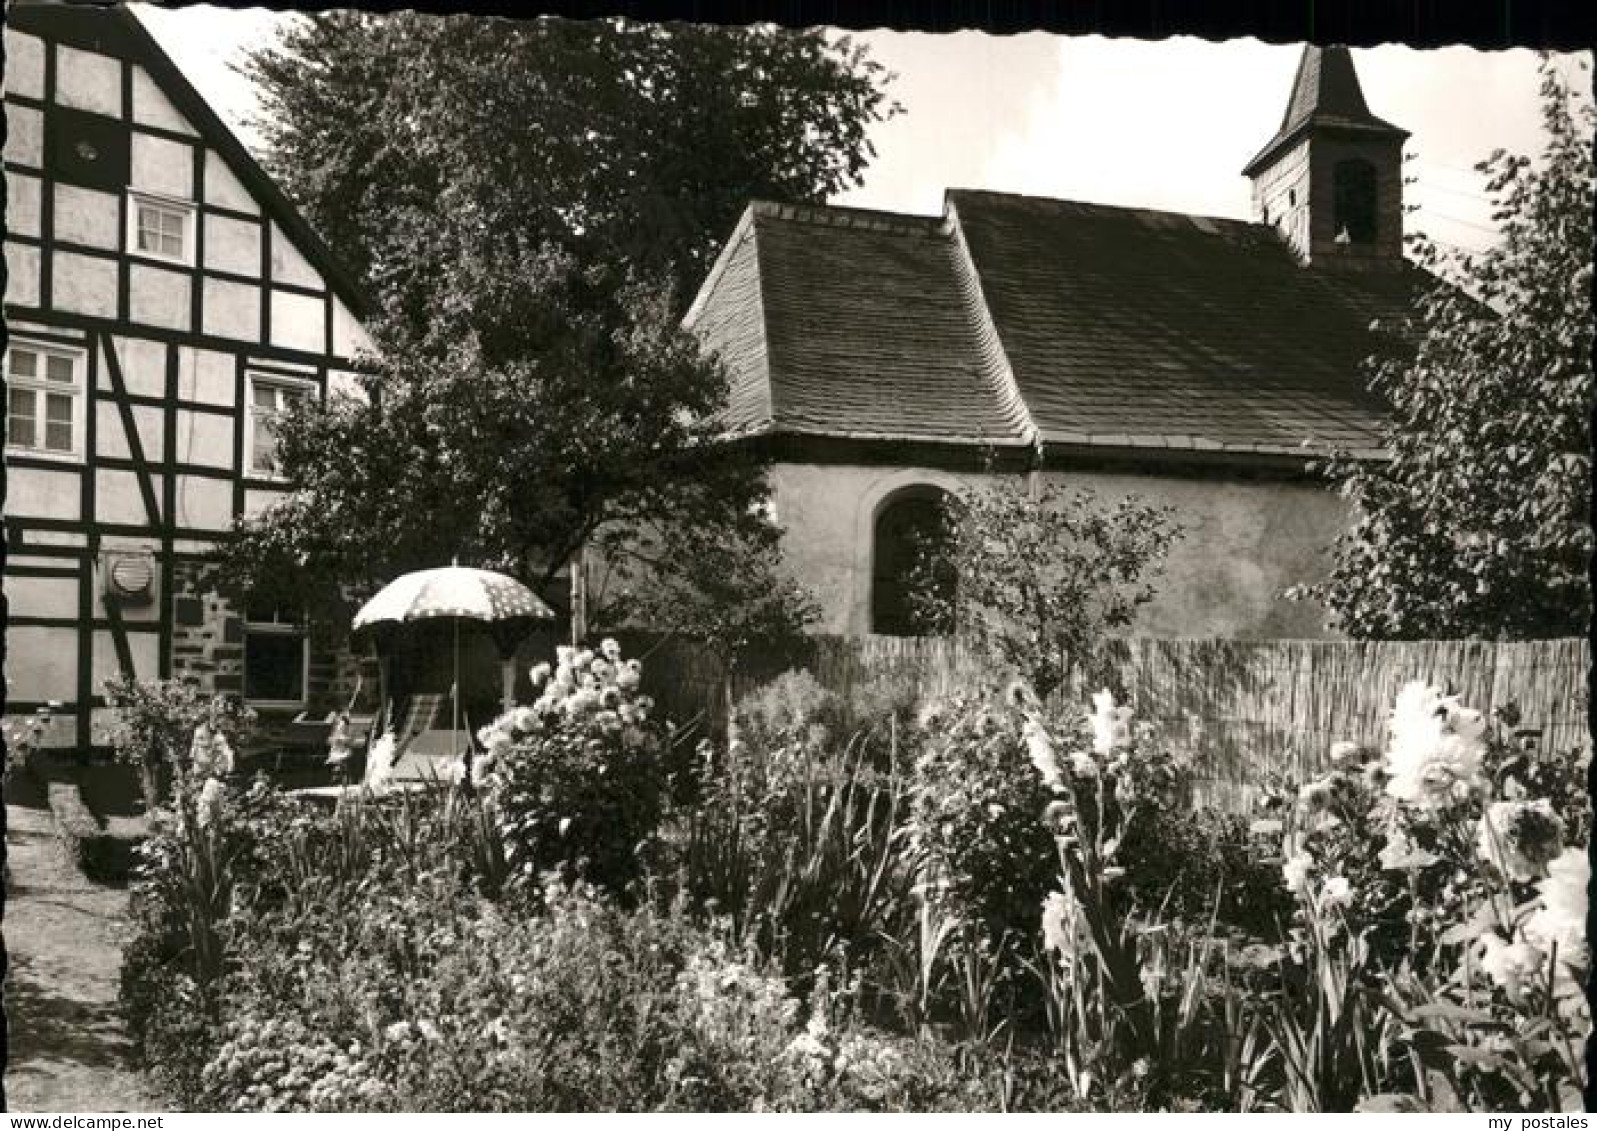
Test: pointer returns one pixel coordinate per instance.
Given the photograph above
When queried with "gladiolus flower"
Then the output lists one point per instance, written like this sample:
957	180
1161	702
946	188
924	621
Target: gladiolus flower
1111	725
1510	965
1296	872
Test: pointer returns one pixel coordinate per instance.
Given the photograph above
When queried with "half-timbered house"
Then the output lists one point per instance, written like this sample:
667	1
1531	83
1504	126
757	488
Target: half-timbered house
164	303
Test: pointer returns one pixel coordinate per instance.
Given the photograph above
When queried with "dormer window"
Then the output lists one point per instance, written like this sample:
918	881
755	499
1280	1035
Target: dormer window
1353	184
159	228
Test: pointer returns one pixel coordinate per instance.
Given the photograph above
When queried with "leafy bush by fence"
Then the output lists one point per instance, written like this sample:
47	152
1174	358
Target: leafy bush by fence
1245	708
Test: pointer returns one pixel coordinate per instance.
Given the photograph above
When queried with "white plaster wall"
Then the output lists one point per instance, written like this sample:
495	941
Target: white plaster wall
88	81
143	365
52	658
41	597
89	217
289	266
151	107
349	336
111	436
144	648
231	310
158	297
257	501
233	245
203	503
161	165
205	438
37	493
22	203
299	321
22	274
223	188
24	135
206	376
83	285
117	497
1245	541
24	64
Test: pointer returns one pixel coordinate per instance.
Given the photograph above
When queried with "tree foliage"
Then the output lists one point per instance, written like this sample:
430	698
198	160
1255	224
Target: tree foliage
530	203
1040	575
1478	526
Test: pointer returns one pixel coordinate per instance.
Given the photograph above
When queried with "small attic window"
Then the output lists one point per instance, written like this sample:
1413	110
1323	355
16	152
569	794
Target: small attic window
1354	197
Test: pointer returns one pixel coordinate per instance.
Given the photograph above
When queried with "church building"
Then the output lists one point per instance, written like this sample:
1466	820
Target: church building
884	360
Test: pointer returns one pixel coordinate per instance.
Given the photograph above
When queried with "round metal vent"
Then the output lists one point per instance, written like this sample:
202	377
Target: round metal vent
132	577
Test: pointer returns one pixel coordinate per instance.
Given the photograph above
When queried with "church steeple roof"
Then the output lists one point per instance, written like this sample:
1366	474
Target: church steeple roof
1325	94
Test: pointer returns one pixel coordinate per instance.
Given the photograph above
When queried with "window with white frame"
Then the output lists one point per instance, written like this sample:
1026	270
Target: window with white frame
44	395
270	400
276	654
161	229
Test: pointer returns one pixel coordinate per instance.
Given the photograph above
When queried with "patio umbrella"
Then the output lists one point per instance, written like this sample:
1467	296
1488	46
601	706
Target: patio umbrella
458	593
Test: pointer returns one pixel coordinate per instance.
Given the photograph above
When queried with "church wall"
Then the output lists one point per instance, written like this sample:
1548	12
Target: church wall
1245	541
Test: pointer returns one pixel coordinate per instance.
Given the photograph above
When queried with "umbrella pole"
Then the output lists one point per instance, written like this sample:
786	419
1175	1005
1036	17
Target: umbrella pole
455	691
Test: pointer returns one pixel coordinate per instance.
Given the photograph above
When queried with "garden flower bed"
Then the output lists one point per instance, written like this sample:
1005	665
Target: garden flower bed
882	905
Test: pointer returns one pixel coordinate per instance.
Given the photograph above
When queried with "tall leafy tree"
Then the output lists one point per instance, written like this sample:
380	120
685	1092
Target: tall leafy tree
1479	525
532	203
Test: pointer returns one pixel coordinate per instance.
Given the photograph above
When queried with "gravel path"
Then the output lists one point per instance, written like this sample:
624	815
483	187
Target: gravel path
68	1050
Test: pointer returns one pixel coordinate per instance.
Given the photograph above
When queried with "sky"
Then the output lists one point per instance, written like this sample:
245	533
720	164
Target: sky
1165	125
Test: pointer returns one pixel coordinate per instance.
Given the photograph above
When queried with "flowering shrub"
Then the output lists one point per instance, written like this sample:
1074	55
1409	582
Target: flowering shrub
576	779
162	726
1456	858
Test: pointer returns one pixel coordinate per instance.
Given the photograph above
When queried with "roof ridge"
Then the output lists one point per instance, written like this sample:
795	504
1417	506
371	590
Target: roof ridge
1061	204
845	216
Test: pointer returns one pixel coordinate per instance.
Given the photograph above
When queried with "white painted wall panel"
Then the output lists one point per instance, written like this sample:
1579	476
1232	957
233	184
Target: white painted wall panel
159	297
163	166
22	203
40	597
43	662
207	376
145	649
37	493
257	501
83	285
204	504
22	274
299	321
88	80
151	106
231	310
87	216
223	188
205	438
117	497
143	366
349	336
289	266
112	438
24	64
233	245
24	135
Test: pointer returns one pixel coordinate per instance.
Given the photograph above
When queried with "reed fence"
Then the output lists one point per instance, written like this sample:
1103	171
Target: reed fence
1243	709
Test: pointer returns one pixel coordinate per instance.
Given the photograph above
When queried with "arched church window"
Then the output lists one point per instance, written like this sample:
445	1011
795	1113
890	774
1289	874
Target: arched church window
911	579
1354	196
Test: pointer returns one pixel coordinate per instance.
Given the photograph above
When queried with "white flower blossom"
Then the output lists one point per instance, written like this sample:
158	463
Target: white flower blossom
1040	748
1296	872
1435	750
1560	918
1520	838
1111	725
1510	965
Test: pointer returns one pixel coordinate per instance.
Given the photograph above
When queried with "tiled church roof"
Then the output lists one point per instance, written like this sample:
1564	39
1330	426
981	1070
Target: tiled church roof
1012	320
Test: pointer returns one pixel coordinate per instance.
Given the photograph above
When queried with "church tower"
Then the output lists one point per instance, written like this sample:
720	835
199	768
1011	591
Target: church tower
1331	179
